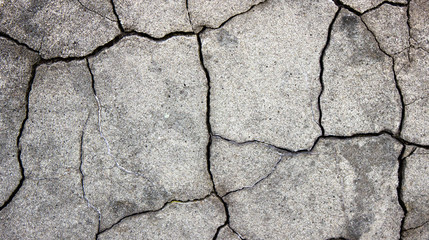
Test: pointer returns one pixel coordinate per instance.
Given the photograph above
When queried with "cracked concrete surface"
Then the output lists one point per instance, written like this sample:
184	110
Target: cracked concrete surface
198	119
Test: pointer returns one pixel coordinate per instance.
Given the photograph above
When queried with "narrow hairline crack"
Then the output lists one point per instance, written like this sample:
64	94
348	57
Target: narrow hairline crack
340	3
416	227
93	11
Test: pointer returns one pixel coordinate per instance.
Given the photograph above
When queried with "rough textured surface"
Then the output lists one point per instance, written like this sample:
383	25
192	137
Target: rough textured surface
235	166
214	13
417	234
153	99
364	5
413	78
227	234
415	189
15	72
360	94
419	19
156	17
260	89
193	220
50	204
342	188
393	18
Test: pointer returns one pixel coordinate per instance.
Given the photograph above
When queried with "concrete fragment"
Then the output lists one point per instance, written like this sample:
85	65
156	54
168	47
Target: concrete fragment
156	17
389	24
364	5
415	189
264	70
360	94
15	72
235	166
50	204
62	28
226	233
192	220
344	187
214	13
152	146
413	79
419	23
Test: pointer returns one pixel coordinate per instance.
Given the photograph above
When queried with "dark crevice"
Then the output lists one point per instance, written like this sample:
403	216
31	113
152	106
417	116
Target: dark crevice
151	211
18	139
343	5
395	4
187	12
414	228
409	30
236	233
322	56
121	28
401	172
6	36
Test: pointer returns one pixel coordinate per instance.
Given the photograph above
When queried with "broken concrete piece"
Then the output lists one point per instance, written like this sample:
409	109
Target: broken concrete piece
343	187
413	79
192	220
419	23
415	189
364	5
152	146
50	204
389	24
58	28
360	94
265	86
235	166
213	13
156	17
15	72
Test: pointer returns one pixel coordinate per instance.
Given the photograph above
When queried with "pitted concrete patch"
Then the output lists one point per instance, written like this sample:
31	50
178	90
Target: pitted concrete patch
364	5
154	17
62	28
192	220
50	204
152	146
344	187
15	72
360	94
265	86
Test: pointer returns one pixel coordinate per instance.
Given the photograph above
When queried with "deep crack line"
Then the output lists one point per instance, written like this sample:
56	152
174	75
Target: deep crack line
121	28
401	172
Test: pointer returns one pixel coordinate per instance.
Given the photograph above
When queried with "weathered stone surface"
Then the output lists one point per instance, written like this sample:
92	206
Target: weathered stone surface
360	94
156	17
214	13
389	24
192	220
363	5
226	233
417	234
415	189
50	204
58	28
15	72
265	86
419	23
344	187
153	119
413	79
235	166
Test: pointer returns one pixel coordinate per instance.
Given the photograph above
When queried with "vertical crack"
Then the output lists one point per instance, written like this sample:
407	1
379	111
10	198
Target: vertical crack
322	69
189	15
121	28
401	172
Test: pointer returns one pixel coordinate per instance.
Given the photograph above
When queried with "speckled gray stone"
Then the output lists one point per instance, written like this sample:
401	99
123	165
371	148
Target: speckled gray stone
419	23
413	79
264	70
235	166
344	187
415	190
50	204
360	94
214	13
417	234
152	146
226	233
15	72
58	28
364	5
192	220
156	17
389	24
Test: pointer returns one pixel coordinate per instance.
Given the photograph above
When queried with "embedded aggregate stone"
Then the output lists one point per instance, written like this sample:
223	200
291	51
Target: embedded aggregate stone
419	23
50	204
156	17
153	139
15	73
364	5
213	13
391	18
192	220
343	187
62	28
360	94
265	86
235	166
